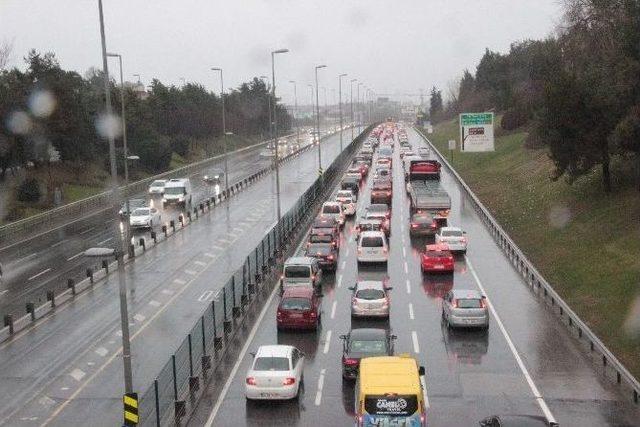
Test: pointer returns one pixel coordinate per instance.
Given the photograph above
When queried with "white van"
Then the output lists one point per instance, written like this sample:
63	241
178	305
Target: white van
177	192
372	247
333	210
301	271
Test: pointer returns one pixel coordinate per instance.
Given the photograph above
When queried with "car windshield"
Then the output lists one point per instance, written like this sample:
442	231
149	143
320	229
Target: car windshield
369	294
368	346
371	242
174	190
297	271
451	233
331	209
271	364
386	151
320	238
141	212
344	194
469	303
436	254
301	304
421	218
157	184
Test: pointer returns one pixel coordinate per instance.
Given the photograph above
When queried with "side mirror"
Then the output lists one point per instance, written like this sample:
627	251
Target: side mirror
394	337
352	288
421	371
253	354
464	232
390	288
343	337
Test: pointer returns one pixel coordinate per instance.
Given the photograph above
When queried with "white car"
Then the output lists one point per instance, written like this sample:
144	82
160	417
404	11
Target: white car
373	247
145	218
333	210
157	187
275	374
454	237
370	299
348	201
424	151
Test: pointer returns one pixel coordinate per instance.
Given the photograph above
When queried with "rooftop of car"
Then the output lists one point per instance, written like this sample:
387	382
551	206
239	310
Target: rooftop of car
298	292
299	260
324	221
451	229
367	334
378	207
379	374
441	247
372	234
370	284
466	293
274	351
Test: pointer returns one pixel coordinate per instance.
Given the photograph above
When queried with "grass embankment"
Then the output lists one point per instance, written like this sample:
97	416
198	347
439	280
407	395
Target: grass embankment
584	241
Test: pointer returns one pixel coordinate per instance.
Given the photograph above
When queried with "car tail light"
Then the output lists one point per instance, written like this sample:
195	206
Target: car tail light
414	225
278	314
434	225
463	240
454	303
359	251
385	250
289	381
483	302
350	362
330	257
251	381
354	301
388	193
313	314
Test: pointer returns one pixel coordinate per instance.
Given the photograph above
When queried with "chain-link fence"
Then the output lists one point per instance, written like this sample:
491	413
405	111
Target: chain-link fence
172	394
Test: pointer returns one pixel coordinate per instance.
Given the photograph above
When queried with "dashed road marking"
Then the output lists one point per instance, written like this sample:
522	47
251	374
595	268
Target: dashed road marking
347	252
87	230
77	374
333	309
406	268
200	263
342	265
101	351
75	256
205	296
217	247
154	303
208	255
408	287
414	338
404	252
179	282
167	291
191	272
411	312
339	280
4	292
139	317
39	274
320	387
327	341
59	243
105	241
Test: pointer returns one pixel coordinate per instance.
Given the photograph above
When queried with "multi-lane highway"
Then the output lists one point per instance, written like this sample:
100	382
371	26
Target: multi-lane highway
41	263
526	363
66	369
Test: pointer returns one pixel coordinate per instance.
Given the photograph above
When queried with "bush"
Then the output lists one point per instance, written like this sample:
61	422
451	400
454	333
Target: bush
180	145
514	118
29	191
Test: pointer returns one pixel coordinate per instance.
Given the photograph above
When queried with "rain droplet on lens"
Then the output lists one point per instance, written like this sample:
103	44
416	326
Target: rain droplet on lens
109	126
19	123
42	103
559	216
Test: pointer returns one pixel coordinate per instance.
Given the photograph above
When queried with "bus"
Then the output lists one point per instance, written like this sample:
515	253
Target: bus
390	391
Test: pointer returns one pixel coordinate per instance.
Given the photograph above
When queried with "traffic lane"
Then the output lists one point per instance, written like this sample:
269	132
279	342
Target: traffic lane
29	410
559	365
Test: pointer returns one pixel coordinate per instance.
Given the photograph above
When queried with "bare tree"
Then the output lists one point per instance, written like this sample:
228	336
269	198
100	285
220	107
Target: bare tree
5	53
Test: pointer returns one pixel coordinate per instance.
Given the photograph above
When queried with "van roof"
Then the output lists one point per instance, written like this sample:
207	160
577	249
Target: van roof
389	374
299	260
176	182
298	292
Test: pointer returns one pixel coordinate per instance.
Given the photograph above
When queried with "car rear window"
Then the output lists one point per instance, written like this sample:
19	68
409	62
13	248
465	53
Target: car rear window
370	294
297	271
321	249
469	303
368	346
437	254
271	364
451	233
320	238
371	242
385	151
422	218
382	186
295	304
331	209
378	208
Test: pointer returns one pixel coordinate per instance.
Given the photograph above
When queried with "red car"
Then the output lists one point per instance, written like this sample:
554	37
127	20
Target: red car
299	308
436	259
381	192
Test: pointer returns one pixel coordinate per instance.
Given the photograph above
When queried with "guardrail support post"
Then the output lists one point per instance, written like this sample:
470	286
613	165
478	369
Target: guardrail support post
71	284
132	250
217	341
157	395
31	309
179	405
90	275
227	322
51	296
172	224
206	359
194	382
8	321
235	311
105	266
143	244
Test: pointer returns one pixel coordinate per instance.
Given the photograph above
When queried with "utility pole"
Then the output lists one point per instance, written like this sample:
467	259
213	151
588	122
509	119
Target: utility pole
340	104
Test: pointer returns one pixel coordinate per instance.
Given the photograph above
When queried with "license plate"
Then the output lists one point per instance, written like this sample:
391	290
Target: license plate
295	315
268	395
439	266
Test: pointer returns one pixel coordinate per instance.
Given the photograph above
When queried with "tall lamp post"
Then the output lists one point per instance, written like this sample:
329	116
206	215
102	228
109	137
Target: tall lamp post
224	132
275	124
351	102
119	252
340	104
320	171
359	107
295	110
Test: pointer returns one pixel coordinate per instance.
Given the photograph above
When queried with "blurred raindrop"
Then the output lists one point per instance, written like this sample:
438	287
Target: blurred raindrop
632	323
19	123
109	126
559	216
42	103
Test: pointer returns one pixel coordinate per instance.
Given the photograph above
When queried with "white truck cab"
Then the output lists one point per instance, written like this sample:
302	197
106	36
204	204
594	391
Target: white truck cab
177	191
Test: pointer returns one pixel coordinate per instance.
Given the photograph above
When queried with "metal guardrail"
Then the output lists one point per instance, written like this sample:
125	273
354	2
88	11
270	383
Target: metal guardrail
604	357
100	202
175	391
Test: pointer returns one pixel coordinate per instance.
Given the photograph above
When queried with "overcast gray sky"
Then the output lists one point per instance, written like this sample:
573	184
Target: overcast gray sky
392	46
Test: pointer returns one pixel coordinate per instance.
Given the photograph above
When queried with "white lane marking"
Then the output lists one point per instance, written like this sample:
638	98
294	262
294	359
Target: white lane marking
179	282
339	280
167	291
4	292
39	274
406	268
320	387
534	389
75	256
414	338
28	256
59	243
119	332
404	253
223	240
327	341
205	296
411	312
191	272
87	230
200	263
77	374
408	287
241	356
207	254
105	241
217	247
239	230
333	309
64	388
154	303
91	363
342	265
139	317
101	351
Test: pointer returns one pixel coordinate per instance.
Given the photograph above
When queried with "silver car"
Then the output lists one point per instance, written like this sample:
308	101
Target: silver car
462	308
370	299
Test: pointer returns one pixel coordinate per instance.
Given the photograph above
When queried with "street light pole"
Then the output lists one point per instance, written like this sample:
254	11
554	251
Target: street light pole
340	104
318	121
295	110
359	107
122	283
275	125
351	102
224	132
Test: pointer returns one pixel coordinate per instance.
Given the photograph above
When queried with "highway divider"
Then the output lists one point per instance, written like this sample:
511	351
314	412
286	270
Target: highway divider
48	301
175	392
610	366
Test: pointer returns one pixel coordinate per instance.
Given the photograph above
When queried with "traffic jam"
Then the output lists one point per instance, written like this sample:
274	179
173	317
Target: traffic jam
336	295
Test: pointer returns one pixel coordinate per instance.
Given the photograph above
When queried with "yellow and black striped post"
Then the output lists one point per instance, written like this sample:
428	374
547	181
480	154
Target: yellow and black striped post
130	401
